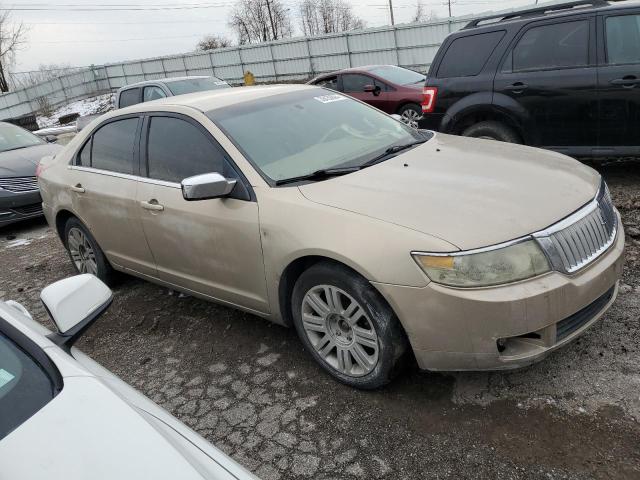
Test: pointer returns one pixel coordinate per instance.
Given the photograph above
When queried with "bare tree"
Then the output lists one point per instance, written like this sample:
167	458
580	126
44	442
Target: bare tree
12	36
421	14
258	21
328	16
212	42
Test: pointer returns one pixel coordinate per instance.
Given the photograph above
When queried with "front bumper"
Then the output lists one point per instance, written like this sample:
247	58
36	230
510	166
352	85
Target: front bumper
460	329
19	206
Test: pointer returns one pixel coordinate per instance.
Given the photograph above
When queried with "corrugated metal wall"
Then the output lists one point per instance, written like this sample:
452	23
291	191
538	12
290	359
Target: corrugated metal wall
411	45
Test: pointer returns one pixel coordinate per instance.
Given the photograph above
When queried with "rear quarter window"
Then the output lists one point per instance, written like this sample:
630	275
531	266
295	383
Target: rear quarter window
466	56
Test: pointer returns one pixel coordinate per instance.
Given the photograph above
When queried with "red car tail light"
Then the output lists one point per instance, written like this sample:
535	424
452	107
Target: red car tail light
429	95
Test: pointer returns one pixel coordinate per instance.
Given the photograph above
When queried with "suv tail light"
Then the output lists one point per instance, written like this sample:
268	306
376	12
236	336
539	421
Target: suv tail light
429	95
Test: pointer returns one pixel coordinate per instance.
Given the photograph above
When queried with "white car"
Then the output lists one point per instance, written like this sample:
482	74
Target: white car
64	416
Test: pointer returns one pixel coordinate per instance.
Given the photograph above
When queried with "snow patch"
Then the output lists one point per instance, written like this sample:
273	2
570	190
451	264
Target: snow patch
88	106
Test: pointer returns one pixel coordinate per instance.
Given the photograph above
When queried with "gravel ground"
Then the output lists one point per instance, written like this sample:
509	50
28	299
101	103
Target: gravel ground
248	387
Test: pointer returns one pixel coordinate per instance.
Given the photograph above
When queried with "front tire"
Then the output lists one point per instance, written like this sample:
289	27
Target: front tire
347	326
85	253
491	130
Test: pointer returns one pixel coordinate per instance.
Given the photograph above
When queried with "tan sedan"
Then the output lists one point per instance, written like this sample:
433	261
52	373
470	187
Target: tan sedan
374	240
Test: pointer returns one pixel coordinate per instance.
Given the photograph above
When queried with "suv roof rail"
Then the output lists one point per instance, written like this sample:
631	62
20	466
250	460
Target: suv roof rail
532	12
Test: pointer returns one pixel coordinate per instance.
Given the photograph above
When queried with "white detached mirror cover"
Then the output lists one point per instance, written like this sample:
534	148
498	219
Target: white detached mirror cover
74	300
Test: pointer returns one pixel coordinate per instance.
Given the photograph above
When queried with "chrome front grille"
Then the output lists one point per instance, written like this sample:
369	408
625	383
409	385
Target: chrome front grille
19	184
582	237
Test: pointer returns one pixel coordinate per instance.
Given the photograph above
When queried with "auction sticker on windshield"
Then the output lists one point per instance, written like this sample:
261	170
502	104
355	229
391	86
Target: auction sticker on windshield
330	98
5	377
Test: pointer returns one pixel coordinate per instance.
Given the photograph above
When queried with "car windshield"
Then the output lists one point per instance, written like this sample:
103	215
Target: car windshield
398	75
190	85
12	138
24	386
298	133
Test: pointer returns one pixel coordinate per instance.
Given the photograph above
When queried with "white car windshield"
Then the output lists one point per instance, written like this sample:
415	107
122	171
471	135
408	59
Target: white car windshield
13	138
295	134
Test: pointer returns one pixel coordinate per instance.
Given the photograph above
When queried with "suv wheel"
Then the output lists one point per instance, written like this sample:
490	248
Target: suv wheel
85	253
411	113
347	327
492	131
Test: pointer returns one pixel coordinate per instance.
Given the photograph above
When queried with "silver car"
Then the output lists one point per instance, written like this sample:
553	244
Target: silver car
64	416
165	87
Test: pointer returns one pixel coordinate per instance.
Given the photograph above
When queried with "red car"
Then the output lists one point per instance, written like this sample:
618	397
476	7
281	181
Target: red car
387	87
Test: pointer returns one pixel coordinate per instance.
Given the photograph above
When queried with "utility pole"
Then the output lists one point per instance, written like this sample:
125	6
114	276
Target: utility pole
449	8
273	28
391	11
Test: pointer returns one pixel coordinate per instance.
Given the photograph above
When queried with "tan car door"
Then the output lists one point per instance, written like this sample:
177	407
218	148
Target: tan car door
211	246
103	185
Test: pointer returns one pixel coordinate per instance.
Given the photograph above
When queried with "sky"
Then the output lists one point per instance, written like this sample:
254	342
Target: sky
86	32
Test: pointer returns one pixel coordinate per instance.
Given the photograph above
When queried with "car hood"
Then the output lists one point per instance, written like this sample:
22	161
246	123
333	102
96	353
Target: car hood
472	193
87	431
23	161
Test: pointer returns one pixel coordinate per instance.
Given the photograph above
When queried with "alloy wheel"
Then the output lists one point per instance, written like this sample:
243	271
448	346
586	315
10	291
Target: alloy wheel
411	117
82	252
339	330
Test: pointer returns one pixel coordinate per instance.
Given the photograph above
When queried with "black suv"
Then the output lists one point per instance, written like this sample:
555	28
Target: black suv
565	77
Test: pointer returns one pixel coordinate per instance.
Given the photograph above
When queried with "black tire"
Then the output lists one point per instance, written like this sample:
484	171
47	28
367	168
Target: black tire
410	113
391	339
492	130
104	270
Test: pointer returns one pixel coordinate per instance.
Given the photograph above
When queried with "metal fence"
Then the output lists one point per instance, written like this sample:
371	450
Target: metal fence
410	45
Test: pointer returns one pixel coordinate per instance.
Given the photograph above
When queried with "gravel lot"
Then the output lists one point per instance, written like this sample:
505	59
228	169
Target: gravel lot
248	387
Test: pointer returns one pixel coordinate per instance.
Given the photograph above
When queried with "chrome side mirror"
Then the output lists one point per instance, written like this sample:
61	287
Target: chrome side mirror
206	186
74	304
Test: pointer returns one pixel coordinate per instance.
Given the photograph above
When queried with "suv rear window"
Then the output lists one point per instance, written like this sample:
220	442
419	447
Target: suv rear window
623	39
466	56
559	45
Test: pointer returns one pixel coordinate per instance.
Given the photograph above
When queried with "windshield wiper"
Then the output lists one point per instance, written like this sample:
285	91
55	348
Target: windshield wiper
319	175
391	151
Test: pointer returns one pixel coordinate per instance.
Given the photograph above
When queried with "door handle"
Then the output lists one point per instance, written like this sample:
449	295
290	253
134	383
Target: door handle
152	205
78	188
517	87
629	81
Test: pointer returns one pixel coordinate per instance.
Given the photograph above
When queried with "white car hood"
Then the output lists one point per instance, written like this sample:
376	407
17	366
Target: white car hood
87	432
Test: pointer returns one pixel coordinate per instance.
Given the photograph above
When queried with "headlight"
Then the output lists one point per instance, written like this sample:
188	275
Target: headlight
480	269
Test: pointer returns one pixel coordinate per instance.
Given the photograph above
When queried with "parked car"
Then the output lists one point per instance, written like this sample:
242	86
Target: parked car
564	77
394	90
165	87
76	419
370	237
20	152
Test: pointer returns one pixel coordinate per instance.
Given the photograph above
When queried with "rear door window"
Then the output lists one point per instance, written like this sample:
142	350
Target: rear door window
24	386
114	146
466	56
623	39
177	149
352	82
560	45
129	97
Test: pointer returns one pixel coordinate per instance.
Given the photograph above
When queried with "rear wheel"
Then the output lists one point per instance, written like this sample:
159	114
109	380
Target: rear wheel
347	327
410	114
491	130
85	253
